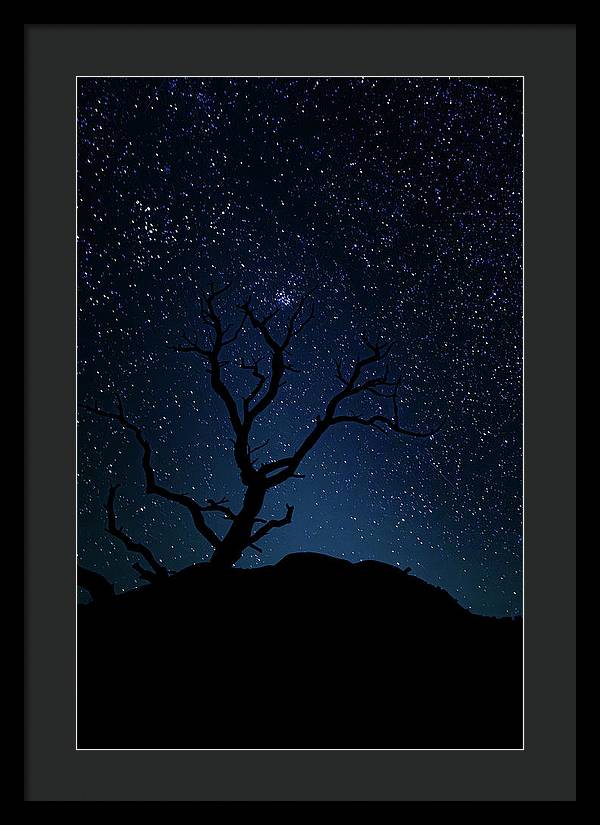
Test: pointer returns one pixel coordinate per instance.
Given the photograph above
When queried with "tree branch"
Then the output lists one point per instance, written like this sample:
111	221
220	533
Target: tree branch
213	506
213	355
270	525
221	339
152	487
267	387
294	327
147	575
261	378
386	422
379	385
159	571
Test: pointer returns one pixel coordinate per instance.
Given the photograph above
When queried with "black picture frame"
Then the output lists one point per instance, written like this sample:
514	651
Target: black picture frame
544	54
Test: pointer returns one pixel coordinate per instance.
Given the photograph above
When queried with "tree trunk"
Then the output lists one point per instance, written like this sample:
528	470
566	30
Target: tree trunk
240	533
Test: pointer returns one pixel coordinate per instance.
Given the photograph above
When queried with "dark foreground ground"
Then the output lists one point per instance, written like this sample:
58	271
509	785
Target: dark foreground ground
313	652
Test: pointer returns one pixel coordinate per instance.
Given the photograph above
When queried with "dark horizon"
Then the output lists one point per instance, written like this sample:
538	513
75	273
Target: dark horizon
402	199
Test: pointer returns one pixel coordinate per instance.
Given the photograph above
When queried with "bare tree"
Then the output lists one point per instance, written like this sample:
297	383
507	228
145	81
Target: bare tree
246	527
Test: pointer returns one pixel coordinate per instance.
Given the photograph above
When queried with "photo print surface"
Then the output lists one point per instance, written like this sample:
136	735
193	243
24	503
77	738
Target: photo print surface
299	412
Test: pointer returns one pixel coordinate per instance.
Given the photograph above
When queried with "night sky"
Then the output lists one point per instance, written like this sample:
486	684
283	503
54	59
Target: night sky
402	200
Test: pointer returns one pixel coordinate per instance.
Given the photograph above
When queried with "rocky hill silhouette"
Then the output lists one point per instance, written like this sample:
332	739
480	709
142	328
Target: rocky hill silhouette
313	652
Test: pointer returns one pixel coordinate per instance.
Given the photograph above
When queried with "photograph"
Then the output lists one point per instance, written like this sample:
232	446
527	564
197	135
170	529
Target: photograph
299	401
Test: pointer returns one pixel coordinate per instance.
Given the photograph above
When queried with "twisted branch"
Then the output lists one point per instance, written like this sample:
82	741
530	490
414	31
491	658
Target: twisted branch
379	385
152	488
159	571
272	524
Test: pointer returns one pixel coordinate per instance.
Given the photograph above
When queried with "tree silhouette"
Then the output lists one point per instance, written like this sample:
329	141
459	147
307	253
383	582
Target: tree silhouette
246	527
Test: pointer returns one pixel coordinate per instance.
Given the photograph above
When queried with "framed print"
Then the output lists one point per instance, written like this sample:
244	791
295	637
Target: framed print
301	510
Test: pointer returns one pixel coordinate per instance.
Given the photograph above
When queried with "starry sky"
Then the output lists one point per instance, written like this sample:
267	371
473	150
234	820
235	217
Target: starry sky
401	199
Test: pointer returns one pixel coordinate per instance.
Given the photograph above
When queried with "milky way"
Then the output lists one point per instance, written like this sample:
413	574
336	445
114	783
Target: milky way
401	200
